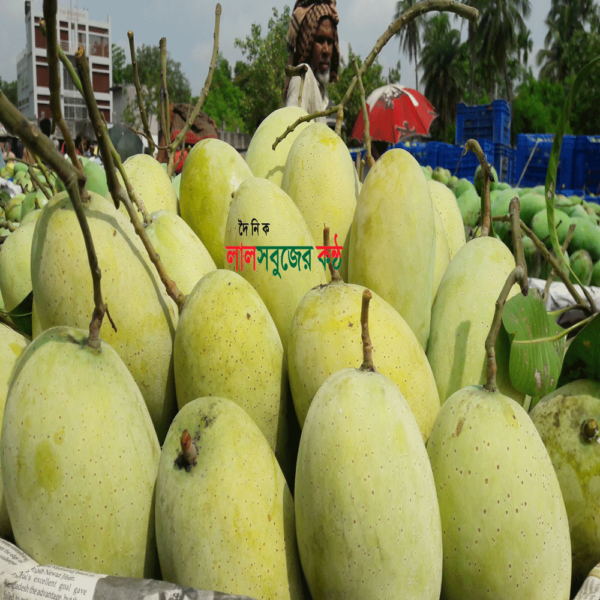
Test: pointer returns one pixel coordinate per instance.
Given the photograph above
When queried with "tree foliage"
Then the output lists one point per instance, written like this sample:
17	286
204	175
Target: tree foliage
409	37
9	89
118	65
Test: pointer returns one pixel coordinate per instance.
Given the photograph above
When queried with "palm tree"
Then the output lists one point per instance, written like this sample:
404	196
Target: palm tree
409	36
443	66
473	41
501	22
524	45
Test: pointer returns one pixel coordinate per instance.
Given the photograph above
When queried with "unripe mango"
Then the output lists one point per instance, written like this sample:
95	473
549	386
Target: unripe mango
442	253
211	174
226	522
449	212
15	265
392	244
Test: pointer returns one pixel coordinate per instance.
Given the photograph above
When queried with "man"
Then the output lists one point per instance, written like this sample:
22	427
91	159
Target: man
313	40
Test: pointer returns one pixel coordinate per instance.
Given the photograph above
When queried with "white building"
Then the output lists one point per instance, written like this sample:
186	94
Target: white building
74	29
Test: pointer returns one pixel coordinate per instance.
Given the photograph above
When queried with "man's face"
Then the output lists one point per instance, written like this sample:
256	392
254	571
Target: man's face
323	48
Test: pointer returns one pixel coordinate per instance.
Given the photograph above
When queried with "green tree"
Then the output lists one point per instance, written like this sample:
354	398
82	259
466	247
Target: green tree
443	62
372	79
9	89
118	64
263	76
409	37
224	101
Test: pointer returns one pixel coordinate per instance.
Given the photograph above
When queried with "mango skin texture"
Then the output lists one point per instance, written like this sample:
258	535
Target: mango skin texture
228	523
183	255
12	345
447	206
462	315
260	199
144	315
442	253
505	528
80	458
326	339
392	243
558	418
261	158
367	516
319	177
212	172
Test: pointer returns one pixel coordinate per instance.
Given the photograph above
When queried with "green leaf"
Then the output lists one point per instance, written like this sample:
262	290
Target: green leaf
535	355
582	360
28	204
21	315
555	154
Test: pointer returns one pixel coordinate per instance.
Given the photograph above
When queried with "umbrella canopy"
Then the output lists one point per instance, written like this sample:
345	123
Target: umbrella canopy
125	141
395	113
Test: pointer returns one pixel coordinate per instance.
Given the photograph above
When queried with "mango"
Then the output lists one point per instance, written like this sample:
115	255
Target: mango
531	205
442	253
469	205
582	266
96	178
211	174
392	243
586	237
449	212
539	226
226	520
78	469
596	274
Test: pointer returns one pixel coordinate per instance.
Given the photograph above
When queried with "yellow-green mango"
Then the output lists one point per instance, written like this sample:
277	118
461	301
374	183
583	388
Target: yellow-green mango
150	182
145	317
12	345
183	255
447	206
462	314
227	522
212	173
392	243
227	345
32	216
367	516
319	177
280	287
96	178
80	458
505	528
15	265
326	339
261	158
559	418
442	253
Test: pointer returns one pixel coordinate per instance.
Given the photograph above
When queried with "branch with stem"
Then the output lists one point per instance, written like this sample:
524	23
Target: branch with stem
117	192
367	364
138	91
565	245
299	71
165	108
50	8
38	183
365	111
44	171
486	210
213	63
409	15
335	274
514	212
6	224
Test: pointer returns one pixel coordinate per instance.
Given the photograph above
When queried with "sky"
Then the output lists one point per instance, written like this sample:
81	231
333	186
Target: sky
189	29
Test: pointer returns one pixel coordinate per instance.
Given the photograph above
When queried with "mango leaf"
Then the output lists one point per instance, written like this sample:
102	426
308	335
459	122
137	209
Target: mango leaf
555	153
582	360
21	315
535	356
28	204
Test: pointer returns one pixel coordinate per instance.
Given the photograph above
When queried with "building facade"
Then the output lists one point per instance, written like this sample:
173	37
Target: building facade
74	29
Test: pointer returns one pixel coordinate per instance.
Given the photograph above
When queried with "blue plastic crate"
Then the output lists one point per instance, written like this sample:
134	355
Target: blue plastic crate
483	122
538	166
469	162
502	162
513	166
417	149
432	153
586	163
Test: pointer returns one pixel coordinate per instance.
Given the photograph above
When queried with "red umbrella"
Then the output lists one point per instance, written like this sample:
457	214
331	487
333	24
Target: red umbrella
395	113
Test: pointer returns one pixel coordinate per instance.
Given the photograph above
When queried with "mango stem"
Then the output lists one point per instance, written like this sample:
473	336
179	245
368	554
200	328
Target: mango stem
367	364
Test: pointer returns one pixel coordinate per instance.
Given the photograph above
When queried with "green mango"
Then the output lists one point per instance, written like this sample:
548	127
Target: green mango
222	324
500	208
559	418
281	285
367	516
493	195
392	243
469	204
462	315
319	178
427	173
582	266
442	253
505	527
539	189
183	255
462	186
596	274
586	237
176	183
96	178
212	173
593	207
531	204
479	179
13	208
533	258
502	186
575	211
449	212
231	510
83	464
523	191
325	340
144	315
15	265
539	225
12	345
21	168
261	158
547	268
441	175
32	216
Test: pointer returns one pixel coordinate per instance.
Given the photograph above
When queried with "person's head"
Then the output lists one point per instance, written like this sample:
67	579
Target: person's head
322	50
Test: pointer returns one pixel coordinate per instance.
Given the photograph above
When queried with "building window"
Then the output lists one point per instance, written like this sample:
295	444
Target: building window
42	75
67	81
44	111
98	45
40	40
106	114
100	83
75	109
